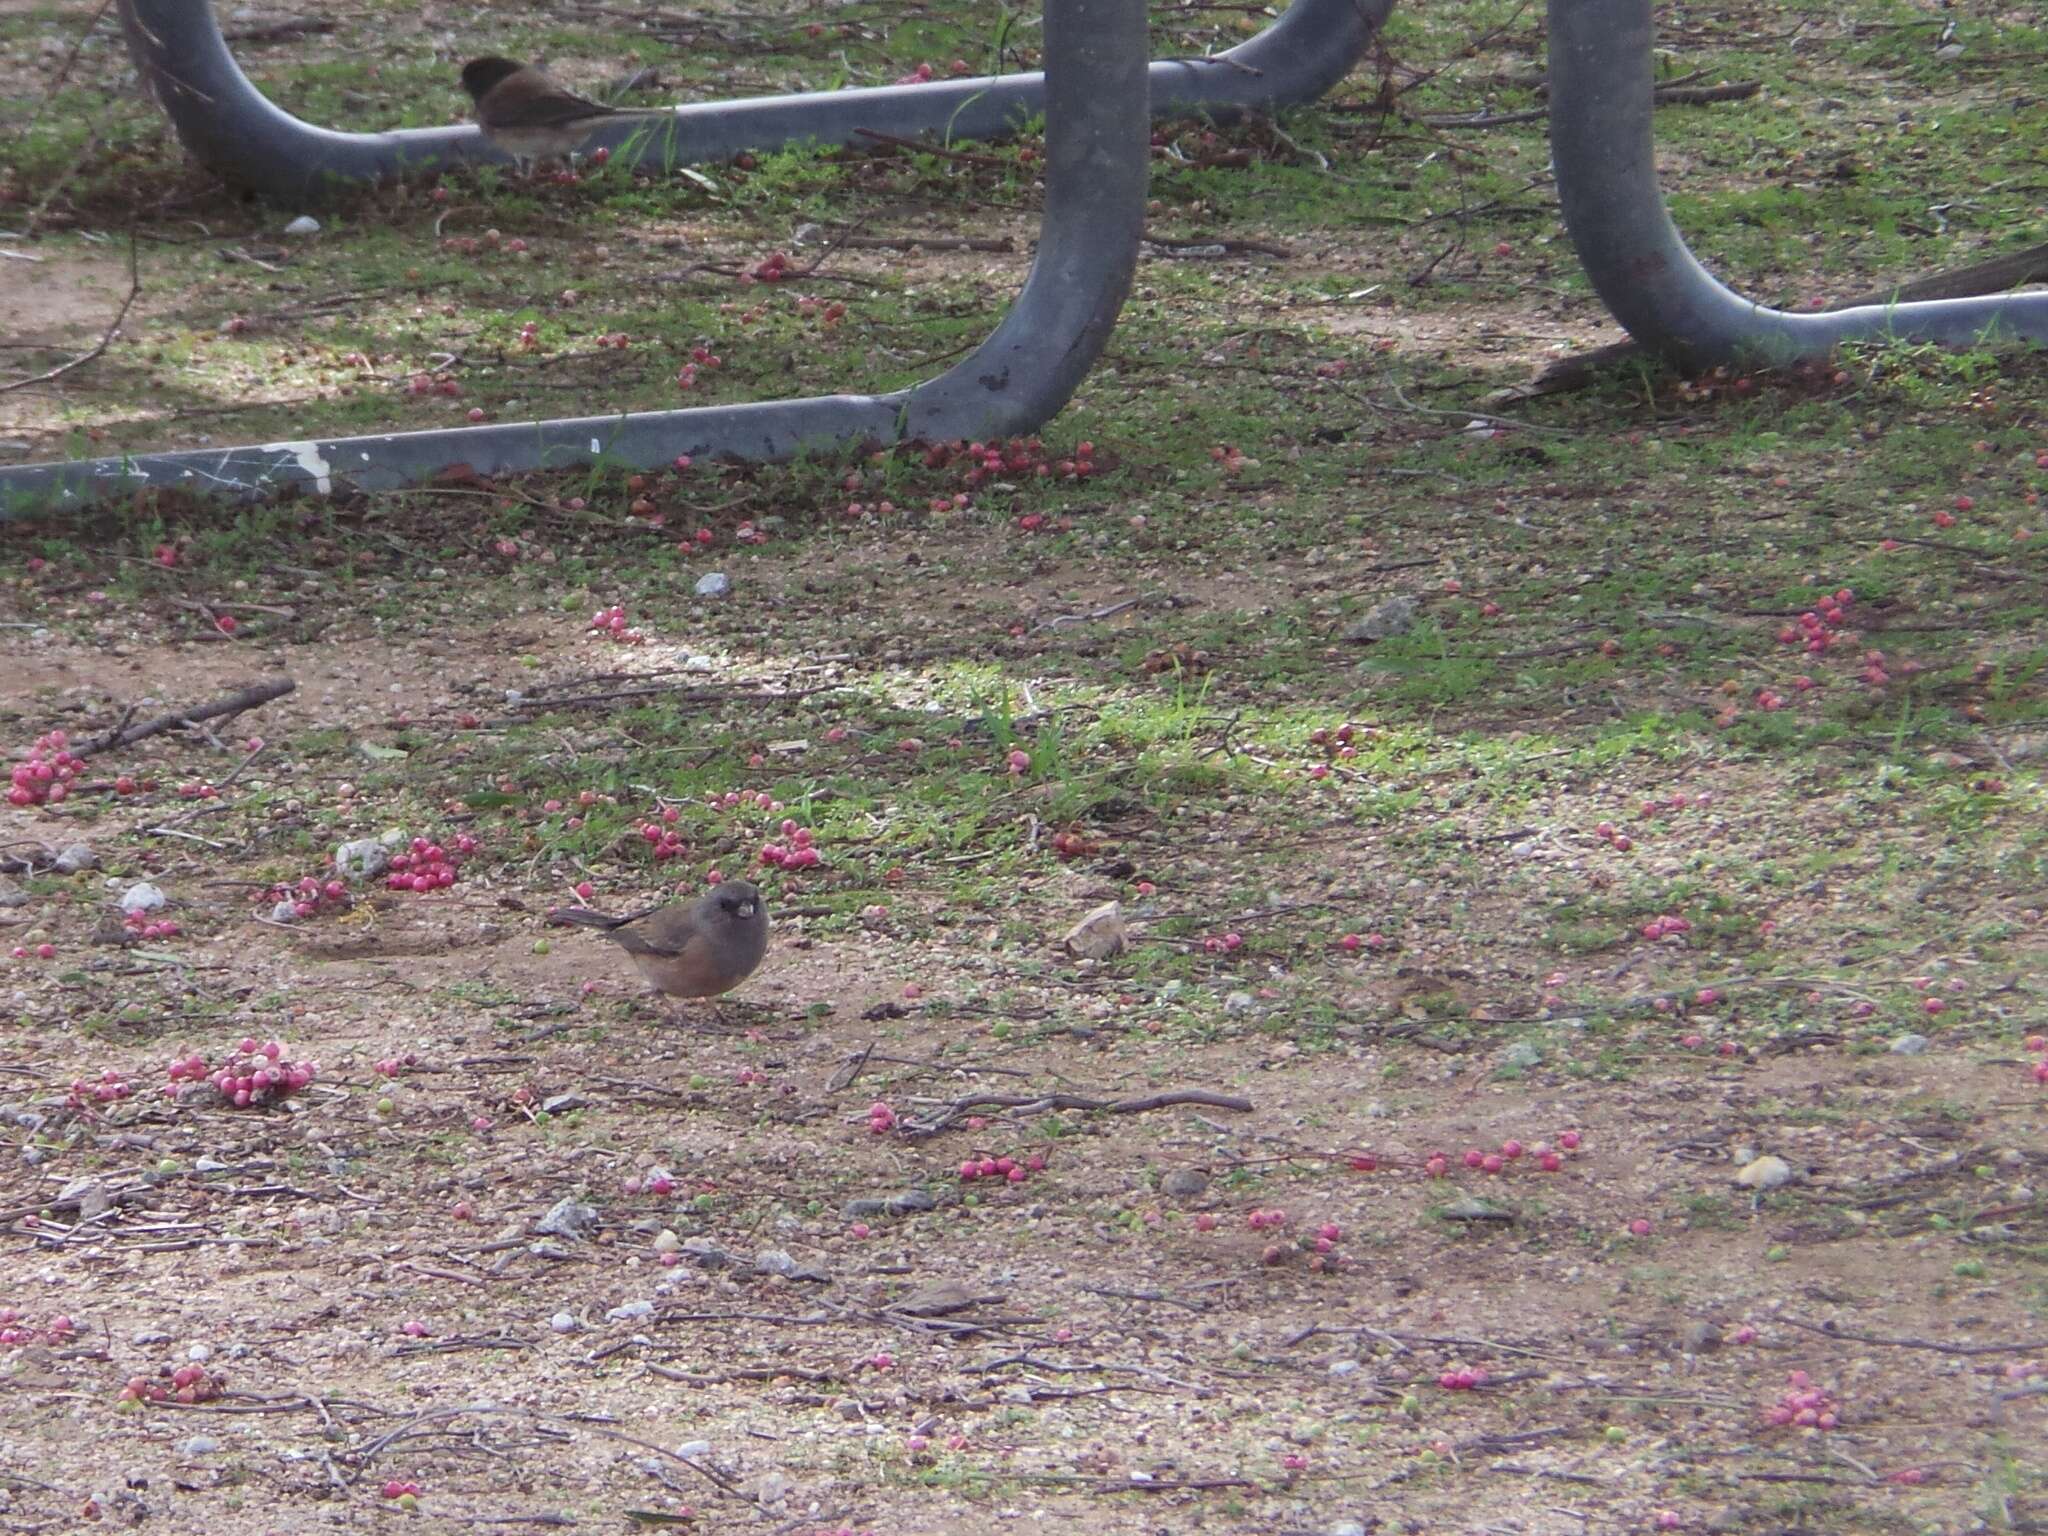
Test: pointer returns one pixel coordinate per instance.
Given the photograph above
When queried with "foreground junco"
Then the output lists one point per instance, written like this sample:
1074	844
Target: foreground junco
701	948
527	115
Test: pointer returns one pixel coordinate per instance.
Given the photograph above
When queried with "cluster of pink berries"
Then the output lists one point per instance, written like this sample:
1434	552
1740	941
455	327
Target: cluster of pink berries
658	1182
198	789
2040	1044
1017	763
404	1494
252	1075
1665	927
611	622
310	896
662	841
1820	626
686	378
1803	1404
1678	800
1008	1169
1877	669
16	1329
1620	842
1072	845
737	799
796	850
1549	1159
1352	943
1337	742
429	866
45	775
1462	1380
828	314
1222	943
142	926
1260	1220
959	68
110	1087
391	1066
186	1384
978	461
882	1120
433	384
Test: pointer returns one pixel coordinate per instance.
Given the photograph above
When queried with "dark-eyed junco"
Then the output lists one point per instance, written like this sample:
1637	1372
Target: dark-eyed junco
531	118
702	948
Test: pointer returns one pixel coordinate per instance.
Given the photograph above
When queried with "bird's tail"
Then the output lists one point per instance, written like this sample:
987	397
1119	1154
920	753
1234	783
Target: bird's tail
584	917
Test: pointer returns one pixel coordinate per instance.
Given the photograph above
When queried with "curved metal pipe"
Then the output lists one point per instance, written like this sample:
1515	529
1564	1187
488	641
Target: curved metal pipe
1096	166
1602	141
234	130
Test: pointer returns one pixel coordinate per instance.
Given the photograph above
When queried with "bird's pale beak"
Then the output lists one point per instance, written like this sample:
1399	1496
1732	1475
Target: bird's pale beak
744	910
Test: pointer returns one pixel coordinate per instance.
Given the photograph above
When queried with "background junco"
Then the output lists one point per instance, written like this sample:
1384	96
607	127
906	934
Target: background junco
701	948
531	118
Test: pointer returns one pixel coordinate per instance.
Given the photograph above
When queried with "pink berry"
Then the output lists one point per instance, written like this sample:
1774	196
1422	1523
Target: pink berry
1569	1140
1640	1227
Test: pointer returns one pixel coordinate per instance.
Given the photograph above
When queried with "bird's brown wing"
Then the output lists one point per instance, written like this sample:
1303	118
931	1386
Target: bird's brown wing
665	932
529	99
558	109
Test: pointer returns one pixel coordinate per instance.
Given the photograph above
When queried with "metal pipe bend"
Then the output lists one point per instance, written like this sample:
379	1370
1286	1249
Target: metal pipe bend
240	134
1097	152
1603	144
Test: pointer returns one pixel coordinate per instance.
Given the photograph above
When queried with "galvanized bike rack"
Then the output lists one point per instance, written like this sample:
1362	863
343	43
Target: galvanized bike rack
1096	164
1602	142
234	130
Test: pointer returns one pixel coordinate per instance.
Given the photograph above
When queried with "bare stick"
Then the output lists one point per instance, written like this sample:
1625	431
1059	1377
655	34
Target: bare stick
234	704
1038	1104
113	330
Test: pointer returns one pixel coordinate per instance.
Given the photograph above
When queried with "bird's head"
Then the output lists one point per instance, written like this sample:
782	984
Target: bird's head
737	901
479	75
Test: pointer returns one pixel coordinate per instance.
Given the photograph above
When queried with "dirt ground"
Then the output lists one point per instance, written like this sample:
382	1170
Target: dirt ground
1559	1037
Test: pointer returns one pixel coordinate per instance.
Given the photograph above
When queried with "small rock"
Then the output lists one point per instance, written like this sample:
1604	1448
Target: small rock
198	1445
76	858
1346	1528
666	1241
1523	1055
631	1311
1098	935
1910	1045
1766	1172
1238	1002
773	1487
569	1218
694	1450
141	897
705	1254
89	1195
938	1299
713	584
364	859
773	1261
285	912
304	224
850	1409
1468	1209
1700	1338
1185	1183
563	1322
11	893
1343	1368
562	1103
908	1203
1396	616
